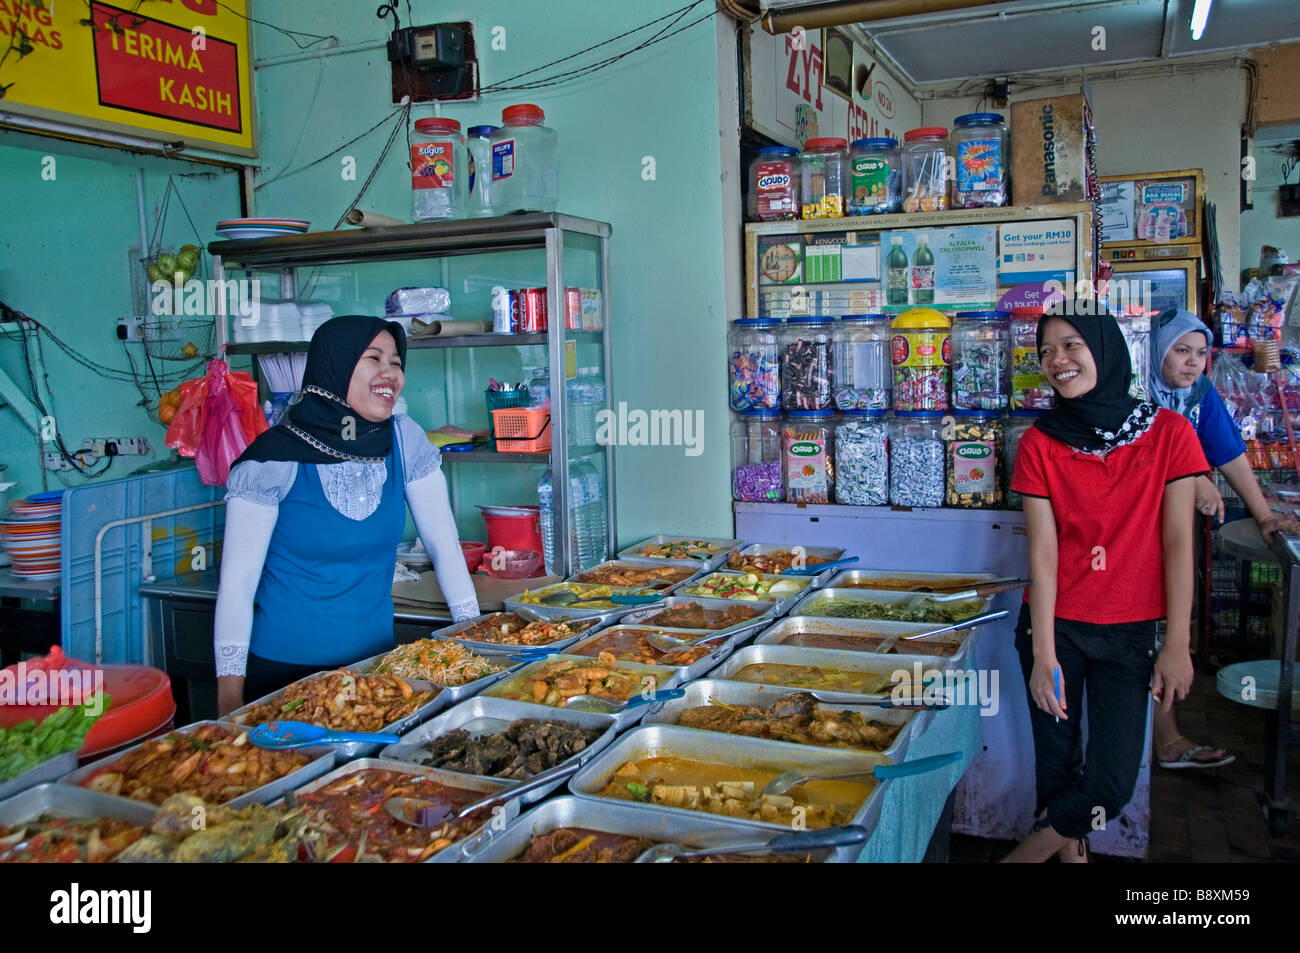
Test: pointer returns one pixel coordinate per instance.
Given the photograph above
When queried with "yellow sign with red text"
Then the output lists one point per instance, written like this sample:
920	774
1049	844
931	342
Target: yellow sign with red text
168	70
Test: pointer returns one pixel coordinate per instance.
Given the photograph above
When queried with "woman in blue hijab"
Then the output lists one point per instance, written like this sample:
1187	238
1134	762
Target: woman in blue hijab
1178	357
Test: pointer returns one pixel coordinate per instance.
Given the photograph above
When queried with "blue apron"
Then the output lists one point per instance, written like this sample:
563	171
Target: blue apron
325	597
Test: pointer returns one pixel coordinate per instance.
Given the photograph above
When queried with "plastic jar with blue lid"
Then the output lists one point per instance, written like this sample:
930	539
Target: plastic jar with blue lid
876	177
982	148
981	348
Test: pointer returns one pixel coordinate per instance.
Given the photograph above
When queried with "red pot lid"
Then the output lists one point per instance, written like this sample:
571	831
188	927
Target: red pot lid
142	699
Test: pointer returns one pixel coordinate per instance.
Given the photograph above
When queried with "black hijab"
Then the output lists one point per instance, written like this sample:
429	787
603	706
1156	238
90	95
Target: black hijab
1105	417
316	424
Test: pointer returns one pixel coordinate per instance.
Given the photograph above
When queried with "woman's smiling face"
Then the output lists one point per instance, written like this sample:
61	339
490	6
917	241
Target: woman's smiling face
377	380
1185	360
1066	359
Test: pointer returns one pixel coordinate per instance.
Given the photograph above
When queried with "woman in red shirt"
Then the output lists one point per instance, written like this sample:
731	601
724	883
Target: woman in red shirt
1109	496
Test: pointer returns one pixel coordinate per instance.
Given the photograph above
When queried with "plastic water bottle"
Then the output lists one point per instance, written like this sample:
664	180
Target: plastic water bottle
478	141
593	393
597	539
539	389
545	497
580	534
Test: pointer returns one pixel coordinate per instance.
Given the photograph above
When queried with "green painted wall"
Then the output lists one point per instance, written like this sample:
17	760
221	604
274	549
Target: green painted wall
666	266
64	261
63	243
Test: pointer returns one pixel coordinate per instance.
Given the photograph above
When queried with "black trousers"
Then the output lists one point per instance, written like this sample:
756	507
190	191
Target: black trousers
1083	793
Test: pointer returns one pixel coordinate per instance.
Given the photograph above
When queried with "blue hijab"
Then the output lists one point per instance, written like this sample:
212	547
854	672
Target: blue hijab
1170	325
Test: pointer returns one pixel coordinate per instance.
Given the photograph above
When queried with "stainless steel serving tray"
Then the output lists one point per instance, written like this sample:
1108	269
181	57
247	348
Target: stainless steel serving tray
957	643
898	669
356	749
503	711
697	567
697	668
855	578
665	676
49	770
320	759
782	603
611	817
712	561
65	800
710	691
466	782
457	693
655	741
741	631
810	604
830	553
525	612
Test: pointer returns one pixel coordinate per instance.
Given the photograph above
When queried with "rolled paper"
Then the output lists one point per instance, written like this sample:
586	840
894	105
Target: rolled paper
364	219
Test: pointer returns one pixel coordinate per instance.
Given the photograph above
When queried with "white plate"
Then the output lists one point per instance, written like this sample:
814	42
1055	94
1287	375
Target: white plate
242	233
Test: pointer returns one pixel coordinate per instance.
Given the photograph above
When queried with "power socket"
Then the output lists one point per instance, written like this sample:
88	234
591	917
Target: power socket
117	446
54	461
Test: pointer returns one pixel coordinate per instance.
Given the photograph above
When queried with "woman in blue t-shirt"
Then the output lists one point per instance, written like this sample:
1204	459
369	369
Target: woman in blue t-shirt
1178	356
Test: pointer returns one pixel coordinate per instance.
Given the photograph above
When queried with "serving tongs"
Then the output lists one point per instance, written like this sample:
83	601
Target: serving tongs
973	621
845	836
881	772
419	812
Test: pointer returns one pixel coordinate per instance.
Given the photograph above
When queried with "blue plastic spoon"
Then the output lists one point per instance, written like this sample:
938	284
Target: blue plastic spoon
299	734
604	706
816	569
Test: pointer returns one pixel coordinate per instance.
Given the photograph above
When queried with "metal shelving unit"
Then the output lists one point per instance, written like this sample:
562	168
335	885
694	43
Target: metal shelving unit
435	240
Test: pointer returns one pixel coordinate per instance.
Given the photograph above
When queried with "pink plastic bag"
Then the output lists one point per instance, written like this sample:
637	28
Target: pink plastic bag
217	420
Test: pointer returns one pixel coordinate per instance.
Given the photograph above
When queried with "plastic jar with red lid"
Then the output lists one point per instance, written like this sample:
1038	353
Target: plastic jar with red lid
824	178
439	171
925	169
525	162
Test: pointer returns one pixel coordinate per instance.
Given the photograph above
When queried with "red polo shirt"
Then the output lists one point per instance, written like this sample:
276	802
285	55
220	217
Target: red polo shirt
1109	566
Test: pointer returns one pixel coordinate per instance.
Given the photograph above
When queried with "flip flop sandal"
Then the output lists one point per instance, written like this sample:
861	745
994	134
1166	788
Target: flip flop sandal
1188	759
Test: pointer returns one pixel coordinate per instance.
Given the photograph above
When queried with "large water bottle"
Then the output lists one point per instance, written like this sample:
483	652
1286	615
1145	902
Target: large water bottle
580	510
545	497
598	533
572	409
539	389
593	394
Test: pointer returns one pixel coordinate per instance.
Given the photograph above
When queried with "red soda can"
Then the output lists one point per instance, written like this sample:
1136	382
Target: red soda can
528	308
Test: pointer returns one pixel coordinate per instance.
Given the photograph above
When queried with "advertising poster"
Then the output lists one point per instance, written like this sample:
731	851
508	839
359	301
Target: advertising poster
1035	251
945	268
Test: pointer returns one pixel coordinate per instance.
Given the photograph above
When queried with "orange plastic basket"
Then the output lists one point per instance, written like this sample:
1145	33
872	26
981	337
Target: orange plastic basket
522	429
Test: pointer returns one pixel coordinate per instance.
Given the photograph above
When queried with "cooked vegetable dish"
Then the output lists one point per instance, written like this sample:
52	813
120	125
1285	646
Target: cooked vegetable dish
695	616
344	700
529	746
255	834
681	549
911	585
589	597
621	574
795	718
746	587
777	561
921	611
556	682
440	661
210	762
869	643
580	845
734	791
66	840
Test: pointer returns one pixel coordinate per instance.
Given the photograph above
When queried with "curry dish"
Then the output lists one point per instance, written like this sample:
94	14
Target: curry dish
66	840
911	585
581	845
630	645
695	616
734	791
556	682
506	628
621	574
777	561
868	643
815	678
343	700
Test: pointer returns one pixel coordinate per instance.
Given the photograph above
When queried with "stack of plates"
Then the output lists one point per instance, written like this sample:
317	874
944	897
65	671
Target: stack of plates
260	227
31	535
275	321
314	314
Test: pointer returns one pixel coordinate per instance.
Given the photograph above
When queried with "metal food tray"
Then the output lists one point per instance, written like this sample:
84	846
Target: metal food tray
830	552
526	611
645	615
707	690
63	800
782	603
564	613
959	642
458	693
611	817
666	676
656	741
466	782
866	662
51	769
320	760
846	577
698	567
697	668
505	710
360	749
712	562
813	601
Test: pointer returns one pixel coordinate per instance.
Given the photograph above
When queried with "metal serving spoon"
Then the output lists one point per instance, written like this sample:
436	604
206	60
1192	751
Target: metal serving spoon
419	812
983	589
791	779
845	836
889	643
299	734
670	643
877	701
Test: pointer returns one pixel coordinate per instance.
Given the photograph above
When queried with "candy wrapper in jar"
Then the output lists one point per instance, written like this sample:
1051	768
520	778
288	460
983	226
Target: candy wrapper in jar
916	471
806	375
921	388
973	463
757	482
979	375
862	463
755	381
